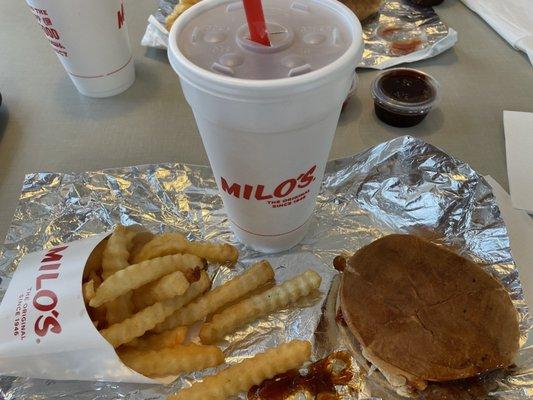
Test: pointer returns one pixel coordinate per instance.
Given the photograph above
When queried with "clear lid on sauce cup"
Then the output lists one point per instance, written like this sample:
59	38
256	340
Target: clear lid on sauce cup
405	91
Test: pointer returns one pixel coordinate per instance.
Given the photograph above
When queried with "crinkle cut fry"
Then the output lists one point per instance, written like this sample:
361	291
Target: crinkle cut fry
94	262
117	251
258	306
256	276
136	275
171	361
138	242
119	309
179	9
88	290
241	377
171	285
149	317
115	258
175	243
159	341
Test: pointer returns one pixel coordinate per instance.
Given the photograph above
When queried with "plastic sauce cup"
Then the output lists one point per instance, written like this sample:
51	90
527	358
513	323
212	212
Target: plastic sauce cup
403	97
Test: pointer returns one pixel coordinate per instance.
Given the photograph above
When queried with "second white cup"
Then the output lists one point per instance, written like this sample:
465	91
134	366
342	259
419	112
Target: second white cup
91	40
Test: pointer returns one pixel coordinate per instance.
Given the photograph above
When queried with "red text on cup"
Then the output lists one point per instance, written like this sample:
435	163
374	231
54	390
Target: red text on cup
259	192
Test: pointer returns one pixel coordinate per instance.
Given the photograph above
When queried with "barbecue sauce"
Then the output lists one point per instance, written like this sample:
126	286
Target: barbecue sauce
321	379
427	3
403	47
339	263
409	88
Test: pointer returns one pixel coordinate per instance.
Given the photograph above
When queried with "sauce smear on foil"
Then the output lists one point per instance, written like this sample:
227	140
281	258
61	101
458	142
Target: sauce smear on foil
321	379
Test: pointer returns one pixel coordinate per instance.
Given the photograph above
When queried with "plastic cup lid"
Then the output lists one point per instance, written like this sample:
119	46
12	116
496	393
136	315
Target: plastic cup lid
305	35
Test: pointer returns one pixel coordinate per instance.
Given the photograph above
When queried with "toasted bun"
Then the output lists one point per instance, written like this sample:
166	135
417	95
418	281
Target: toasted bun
423	313
363	8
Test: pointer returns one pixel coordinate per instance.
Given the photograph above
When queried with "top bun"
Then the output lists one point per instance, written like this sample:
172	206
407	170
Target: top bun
423	313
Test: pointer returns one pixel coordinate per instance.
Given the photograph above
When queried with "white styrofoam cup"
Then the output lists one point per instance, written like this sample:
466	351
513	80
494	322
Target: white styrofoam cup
91	41
268	140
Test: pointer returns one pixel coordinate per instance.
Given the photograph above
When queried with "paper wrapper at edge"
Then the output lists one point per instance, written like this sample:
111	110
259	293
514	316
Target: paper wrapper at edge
45	331
404	185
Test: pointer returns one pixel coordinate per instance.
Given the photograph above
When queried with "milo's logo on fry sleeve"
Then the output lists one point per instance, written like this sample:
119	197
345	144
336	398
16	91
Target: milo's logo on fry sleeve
45	299
282	195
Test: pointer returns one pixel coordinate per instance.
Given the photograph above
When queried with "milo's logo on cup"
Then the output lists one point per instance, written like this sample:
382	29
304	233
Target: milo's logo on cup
281	196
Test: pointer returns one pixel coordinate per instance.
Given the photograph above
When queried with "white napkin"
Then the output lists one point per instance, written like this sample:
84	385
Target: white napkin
156	35
520	229
518	127
512	19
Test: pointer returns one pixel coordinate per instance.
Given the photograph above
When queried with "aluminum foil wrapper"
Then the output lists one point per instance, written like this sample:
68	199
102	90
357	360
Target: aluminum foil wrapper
404	185
400	32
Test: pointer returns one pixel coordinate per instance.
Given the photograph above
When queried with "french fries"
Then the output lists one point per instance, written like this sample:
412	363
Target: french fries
138	242
94	262
137	275
179	9
159	341
93	276
258	306
88	290
256	276
180	359
149	317
119	309
241	377
98	316
115	258
117	251
175	243
171	285
144	291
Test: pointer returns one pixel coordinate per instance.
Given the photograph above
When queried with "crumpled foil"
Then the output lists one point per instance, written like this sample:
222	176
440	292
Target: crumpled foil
400	32
403	185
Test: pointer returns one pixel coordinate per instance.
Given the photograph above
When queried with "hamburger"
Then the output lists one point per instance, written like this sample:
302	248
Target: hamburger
364	9
422	313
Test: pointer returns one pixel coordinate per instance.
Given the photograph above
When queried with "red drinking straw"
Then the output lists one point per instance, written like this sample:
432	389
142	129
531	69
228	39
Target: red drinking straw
256	22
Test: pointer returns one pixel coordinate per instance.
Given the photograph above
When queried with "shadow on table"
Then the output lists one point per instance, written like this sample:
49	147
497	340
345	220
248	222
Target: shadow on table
4	118
145	89
8	145
352	111
432	124
449	57
157	54
445	5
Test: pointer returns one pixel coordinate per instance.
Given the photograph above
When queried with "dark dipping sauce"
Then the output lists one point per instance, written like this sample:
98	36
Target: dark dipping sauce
403	97
339	263
426	3
320	380
407	86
